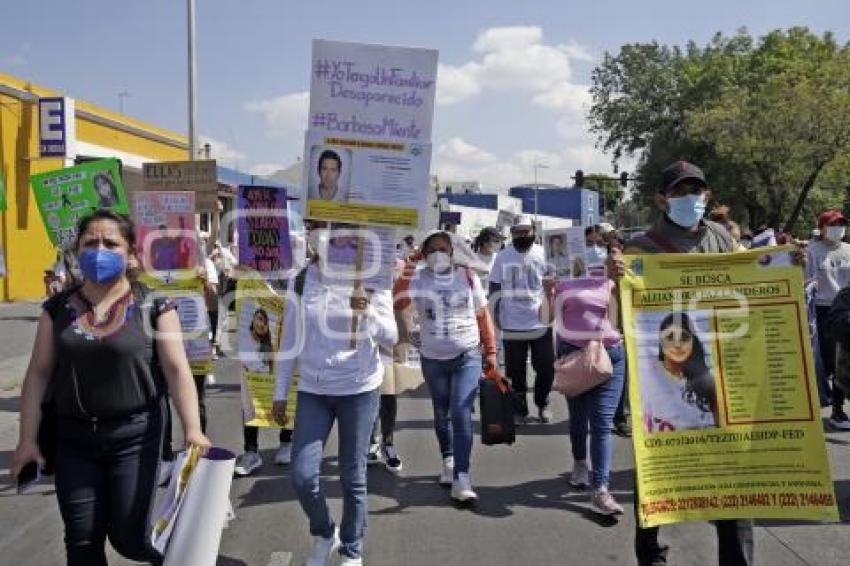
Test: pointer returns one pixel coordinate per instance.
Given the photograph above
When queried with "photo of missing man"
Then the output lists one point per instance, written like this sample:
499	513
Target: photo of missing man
330	173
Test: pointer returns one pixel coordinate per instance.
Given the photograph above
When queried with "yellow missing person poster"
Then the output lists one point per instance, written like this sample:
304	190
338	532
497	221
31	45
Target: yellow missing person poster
186	289
723	395
259	312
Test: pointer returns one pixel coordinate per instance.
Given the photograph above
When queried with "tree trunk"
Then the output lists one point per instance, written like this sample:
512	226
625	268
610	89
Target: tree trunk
804	192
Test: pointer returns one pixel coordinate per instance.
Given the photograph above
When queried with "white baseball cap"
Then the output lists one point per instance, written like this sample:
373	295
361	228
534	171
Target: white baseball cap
522	221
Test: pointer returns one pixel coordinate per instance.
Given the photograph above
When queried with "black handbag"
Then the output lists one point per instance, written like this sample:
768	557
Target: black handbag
496	402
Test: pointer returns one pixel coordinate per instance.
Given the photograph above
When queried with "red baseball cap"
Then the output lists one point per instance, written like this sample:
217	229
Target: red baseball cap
830	217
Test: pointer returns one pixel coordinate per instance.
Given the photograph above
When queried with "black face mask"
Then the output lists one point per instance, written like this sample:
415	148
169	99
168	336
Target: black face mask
523	243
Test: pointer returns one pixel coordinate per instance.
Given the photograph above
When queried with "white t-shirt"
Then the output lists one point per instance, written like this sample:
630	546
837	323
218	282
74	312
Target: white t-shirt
447	305
664	405
521	277
829	265
212	272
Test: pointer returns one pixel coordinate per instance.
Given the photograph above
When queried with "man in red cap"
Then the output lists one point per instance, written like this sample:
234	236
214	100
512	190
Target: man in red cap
829	266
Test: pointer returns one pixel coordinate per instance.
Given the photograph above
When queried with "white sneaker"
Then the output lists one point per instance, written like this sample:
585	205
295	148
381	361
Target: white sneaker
373	456
284	454
247	463
447	476
209	379
165	470
580	476
462	489
322	550
605	503
348	561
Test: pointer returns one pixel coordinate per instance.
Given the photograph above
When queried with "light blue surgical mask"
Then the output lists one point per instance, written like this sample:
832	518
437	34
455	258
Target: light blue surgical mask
595	255
686	211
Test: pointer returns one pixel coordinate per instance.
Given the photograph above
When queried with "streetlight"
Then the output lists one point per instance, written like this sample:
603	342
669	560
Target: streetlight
193	116
537	166
121	96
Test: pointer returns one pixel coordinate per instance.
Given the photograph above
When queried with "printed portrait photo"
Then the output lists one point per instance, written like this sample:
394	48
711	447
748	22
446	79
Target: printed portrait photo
330	173
677	379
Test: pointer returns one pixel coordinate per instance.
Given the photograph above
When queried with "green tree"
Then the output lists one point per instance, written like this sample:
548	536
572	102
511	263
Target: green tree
766	120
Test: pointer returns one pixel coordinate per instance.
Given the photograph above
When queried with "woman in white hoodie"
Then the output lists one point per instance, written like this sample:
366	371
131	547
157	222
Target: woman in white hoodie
338	381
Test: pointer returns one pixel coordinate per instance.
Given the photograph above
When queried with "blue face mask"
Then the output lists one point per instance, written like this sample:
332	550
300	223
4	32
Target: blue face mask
595	255
102	266
686	211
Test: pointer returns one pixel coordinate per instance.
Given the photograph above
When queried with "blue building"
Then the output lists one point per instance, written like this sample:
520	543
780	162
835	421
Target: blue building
577	204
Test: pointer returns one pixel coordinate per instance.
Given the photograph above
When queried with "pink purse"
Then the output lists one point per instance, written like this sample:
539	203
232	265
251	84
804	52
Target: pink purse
582	370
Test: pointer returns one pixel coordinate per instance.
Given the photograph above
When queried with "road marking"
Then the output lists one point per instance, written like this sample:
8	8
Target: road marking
280	559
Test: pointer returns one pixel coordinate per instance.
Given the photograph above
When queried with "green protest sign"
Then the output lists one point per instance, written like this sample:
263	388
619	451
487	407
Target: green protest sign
66	195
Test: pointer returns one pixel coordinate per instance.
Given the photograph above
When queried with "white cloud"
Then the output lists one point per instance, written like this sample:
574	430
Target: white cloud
284	115
518	60
495	39
513	59
222	152
266	169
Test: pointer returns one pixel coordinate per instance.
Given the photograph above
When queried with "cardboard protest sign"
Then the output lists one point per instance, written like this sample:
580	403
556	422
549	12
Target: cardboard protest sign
263	228
722	386
166	238
66	195
259	311
368	147
199	177
188	294
565	251
339	255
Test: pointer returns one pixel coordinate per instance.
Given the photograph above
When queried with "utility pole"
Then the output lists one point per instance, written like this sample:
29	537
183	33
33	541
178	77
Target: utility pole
537	166
121	96
193	140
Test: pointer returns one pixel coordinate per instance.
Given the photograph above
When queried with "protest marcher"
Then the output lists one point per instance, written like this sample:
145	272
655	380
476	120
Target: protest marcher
829	267
721	215
586	314
516	293
682	197
106	378
383	447
455	327
486	245
339	380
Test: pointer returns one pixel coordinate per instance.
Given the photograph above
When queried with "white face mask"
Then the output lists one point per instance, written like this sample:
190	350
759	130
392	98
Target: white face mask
834	233
439	262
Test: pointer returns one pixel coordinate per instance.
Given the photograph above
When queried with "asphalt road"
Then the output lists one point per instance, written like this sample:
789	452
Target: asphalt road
527	512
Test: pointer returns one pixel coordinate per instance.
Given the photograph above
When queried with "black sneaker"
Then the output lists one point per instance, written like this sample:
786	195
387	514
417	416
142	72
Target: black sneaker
839	420
622	428
391	459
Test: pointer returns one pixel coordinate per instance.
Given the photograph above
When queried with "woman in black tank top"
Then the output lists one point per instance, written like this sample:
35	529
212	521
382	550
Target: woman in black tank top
106	354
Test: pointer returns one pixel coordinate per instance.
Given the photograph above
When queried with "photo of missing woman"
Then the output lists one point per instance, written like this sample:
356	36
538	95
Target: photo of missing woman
258	338
107	193
677	385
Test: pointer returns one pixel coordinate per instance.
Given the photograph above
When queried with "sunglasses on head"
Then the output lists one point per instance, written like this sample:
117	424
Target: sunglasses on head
677	336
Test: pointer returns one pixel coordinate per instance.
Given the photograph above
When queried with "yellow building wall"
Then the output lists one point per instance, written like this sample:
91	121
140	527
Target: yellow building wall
22	234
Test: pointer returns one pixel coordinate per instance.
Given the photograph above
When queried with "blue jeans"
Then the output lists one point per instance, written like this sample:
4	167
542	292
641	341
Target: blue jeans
314	418
597	407
454	385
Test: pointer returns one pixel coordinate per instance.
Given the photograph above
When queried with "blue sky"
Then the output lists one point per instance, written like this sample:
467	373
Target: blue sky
511	90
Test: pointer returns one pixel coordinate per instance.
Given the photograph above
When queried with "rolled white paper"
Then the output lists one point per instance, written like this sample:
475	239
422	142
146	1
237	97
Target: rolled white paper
197	533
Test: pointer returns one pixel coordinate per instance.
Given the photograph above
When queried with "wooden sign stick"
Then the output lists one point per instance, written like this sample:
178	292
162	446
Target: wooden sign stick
358	291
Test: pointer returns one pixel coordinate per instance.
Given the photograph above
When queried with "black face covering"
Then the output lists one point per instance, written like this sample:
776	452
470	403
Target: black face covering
523	243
